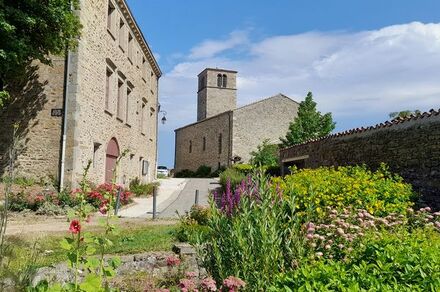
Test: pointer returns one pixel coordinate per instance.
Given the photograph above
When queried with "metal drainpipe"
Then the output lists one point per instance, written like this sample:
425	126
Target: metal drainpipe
157	129
64	135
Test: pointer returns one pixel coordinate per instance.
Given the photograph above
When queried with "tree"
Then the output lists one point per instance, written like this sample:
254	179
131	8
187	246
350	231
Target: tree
309	124
265	155
403	114
34	30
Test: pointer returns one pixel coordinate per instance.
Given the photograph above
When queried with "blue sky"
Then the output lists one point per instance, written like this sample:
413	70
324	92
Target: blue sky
361	59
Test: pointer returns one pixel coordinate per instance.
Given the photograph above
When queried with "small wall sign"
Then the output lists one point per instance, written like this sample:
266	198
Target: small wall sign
56	112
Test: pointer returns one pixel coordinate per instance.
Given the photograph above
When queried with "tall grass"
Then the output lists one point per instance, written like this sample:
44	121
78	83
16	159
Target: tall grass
254	233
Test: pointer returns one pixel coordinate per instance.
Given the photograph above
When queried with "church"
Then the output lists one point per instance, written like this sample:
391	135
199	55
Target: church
225	133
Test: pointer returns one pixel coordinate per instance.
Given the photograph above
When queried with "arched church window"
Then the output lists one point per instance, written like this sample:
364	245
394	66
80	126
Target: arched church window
219	80
225	81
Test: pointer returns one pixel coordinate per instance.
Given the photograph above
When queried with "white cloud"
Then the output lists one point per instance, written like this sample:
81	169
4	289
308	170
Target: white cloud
210	48
360	76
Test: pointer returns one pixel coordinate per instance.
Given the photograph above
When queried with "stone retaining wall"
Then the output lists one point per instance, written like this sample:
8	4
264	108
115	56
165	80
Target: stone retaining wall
411	148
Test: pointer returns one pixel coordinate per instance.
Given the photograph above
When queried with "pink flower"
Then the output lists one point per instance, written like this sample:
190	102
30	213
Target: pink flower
75	226
208	284
319	254
190	275
309	236
233	283
327	246
187	285
173	261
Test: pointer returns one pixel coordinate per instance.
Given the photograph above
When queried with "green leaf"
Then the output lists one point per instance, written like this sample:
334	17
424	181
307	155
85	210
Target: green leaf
91	283
64	243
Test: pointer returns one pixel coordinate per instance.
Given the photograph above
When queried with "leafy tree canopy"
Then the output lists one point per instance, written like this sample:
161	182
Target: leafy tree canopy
310	123
265	155
404	114
33	30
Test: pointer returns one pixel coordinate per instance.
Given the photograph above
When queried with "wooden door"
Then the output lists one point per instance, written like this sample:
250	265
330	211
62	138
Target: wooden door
111	157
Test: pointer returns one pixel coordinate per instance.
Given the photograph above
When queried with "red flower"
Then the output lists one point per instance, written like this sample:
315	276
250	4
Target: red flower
75	226
173	261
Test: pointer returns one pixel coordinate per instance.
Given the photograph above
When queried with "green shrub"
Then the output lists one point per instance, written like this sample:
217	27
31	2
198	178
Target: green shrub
379	192
218	171
243	168
252	235
141	189
50	209
265	155
203	171
192	225
186	173
232	175
399	261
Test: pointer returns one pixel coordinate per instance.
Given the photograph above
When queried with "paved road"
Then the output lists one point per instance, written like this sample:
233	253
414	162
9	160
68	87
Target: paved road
185	199
143	207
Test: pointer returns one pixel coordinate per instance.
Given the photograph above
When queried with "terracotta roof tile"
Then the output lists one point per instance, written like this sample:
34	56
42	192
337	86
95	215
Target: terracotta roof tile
386	124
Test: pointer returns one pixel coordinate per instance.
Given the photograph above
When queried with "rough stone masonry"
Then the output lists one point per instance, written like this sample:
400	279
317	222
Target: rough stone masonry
409	146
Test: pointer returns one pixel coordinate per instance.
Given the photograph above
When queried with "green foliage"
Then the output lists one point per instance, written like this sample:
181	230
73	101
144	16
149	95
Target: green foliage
50	209
388	261
253	243
231	175
186	173
193	224
243	168
141	189
310	124
33	30
379	192
265	155
203	171
404	114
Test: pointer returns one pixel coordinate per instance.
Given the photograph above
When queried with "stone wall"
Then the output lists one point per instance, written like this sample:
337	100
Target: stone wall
210	129
265	119
91	121
92	124
39	133
410	147
213	100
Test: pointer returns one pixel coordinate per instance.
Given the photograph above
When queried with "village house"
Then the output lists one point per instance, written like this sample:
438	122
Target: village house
92	105
223	133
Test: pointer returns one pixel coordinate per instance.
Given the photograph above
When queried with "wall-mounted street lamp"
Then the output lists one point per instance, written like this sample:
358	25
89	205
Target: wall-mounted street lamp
164	118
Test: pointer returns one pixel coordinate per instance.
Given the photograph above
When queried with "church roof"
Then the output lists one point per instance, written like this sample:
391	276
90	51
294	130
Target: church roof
279	95
266	99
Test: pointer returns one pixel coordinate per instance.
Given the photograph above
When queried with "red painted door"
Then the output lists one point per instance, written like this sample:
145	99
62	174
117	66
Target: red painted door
112	154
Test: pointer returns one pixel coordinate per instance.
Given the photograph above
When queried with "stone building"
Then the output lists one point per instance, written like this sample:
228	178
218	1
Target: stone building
409	146
96	103
223	131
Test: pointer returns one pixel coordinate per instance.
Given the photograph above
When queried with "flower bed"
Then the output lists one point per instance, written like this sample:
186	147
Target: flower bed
52	203
320	223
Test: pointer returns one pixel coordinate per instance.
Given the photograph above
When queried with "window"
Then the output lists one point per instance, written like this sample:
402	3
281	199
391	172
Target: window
130	47
143	122
219	143
225	81
110	17
204	143
219	80
144	69
96	146
122	34
190	146
127	106
120	104
108	88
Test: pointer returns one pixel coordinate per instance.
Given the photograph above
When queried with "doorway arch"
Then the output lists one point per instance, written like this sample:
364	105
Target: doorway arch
111	156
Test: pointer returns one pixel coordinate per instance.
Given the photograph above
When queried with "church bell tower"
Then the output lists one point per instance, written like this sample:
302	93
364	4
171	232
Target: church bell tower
217	92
